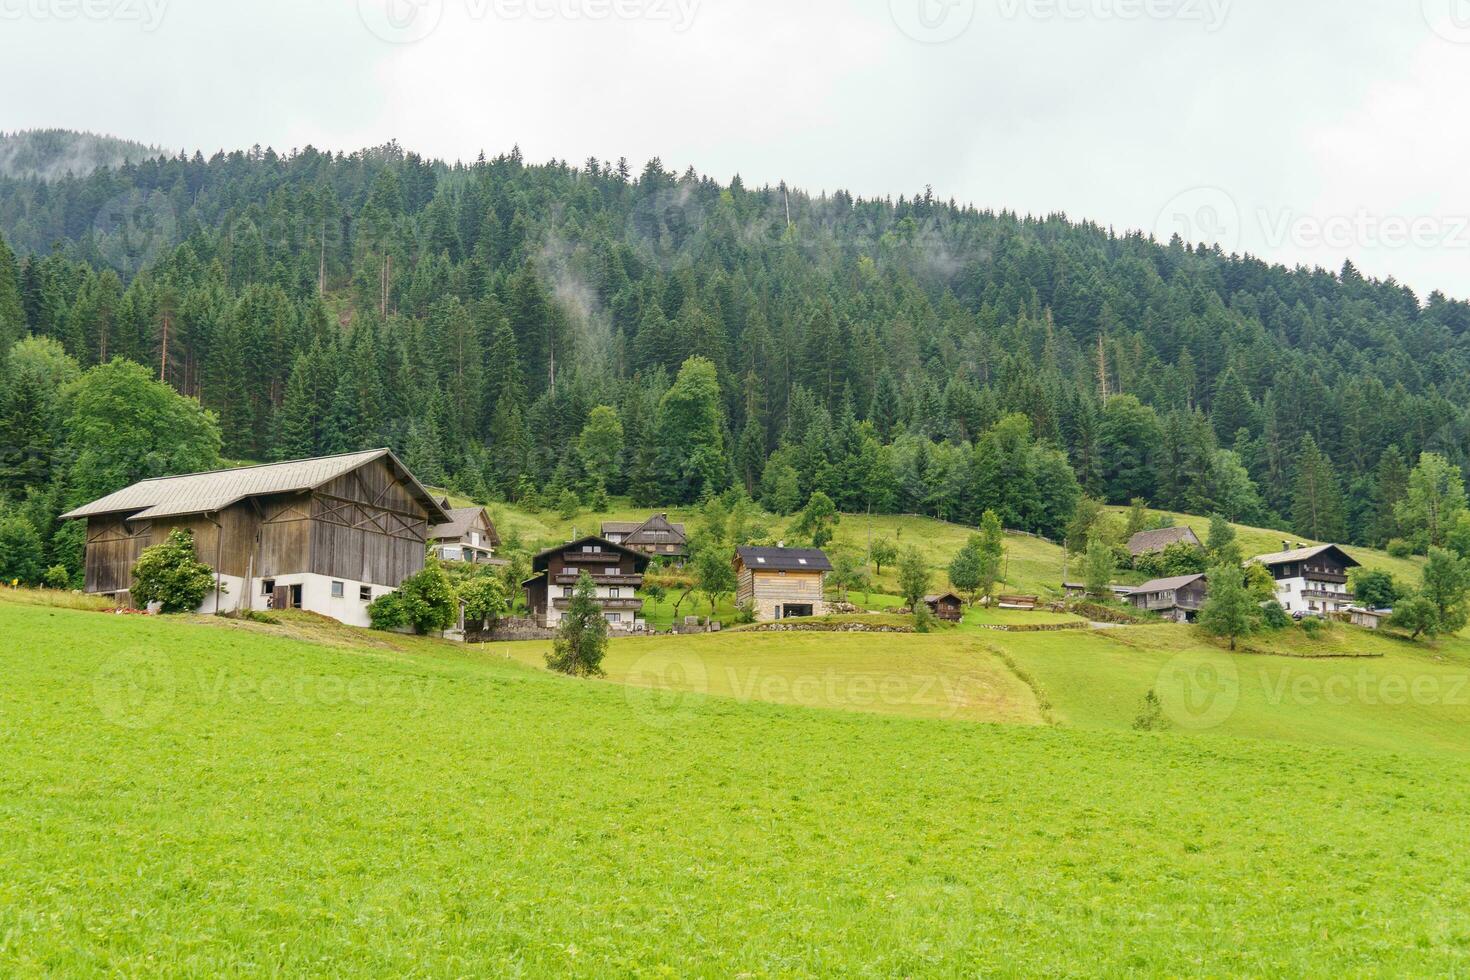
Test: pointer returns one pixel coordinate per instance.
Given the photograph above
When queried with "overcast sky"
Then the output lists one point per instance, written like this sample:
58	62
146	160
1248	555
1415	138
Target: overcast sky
1306	131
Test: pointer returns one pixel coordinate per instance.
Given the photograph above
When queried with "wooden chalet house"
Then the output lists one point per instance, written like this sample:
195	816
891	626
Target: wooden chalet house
1179	598
779	583
617	572
1311	581
469	536
327	535
948	607
655	537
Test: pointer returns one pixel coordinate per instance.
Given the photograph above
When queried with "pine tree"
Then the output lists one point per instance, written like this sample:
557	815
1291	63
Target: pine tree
1317	506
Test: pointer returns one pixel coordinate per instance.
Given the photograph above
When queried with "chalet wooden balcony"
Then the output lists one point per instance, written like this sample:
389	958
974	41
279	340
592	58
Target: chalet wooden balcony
607	605
1312	575
1329	596
591	557
636	581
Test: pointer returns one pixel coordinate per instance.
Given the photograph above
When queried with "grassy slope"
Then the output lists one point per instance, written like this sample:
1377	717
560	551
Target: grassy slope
416	808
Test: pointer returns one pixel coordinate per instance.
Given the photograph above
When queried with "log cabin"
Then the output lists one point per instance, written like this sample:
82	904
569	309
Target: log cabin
779	583
948	607
1178	599
327	535
616	571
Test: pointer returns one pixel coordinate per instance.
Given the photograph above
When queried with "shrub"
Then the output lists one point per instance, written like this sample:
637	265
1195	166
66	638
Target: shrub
388	612
1313	627
428	598
1273	617
171	575
484	601
1399	548
56	577
745	613
924	618
20	552
1151	714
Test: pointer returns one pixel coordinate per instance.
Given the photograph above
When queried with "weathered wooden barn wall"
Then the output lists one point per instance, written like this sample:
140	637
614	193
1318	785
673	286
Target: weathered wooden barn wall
113	546
367	526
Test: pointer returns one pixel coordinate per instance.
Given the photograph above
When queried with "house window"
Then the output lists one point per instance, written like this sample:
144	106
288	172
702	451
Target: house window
365	593
614	617
614	593
475	538
612	571
268	586
587	549
339	589
566	592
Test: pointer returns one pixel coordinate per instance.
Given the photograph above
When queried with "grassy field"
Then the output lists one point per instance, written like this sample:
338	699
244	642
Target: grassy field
184	797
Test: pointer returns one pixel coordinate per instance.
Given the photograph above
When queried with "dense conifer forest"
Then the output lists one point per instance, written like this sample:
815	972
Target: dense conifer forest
519	330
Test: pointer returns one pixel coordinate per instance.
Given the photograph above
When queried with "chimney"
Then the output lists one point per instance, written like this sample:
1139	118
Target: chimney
780	544
1286	546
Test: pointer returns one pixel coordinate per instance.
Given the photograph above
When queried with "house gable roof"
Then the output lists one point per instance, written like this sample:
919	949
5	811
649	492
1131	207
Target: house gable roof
542	560
785	559
934	599
461	521
1167	584
1305	554
658	522
203	493
1147	542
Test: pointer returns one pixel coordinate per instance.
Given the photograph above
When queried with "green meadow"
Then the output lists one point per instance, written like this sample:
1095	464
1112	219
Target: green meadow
188	796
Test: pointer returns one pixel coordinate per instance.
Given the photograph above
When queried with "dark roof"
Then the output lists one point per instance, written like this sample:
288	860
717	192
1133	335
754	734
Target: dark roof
461	519
542	560
658	522
1166	584
930	600
1147	542
1305	554
785	559
203	493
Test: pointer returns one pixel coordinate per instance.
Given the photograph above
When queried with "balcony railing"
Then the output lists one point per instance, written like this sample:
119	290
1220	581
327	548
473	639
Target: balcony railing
1330	596
610	605
582	557
572	578
1153	605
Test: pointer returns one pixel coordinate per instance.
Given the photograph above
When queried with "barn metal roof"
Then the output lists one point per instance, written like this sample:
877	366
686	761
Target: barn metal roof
201	493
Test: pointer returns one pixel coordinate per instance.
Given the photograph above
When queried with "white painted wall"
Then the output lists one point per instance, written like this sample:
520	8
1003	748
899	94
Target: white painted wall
1289	591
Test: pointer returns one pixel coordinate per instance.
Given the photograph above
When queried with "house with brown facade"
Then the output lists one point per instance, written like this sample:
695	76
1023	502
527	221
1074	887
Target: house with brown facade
1179	598
616	571
328	535
948	606
780	583
656	537
468	536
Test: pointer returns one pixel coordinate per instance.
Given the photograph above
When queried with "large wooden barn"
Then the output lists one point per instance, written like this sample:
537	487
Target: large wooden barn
328	535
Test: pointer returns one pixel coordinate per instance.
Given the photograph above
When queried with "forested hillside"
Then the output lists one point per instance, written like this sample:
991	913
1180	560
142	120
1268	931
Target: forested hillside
520	330
53	153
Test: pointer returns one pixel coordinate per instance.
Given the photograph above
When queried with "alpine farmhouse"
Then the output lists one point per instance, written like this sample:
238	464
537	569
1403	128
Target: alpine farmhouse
616	571
1312	581
327	535
779	583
